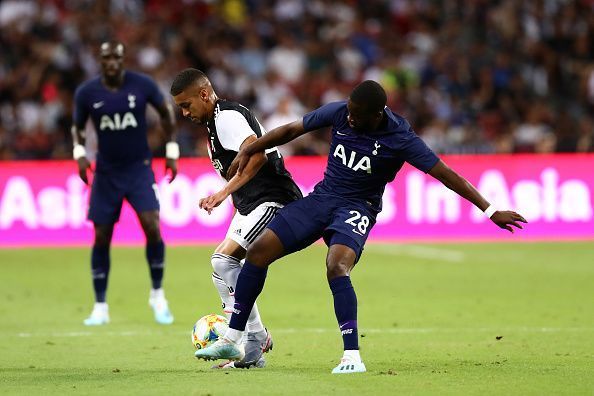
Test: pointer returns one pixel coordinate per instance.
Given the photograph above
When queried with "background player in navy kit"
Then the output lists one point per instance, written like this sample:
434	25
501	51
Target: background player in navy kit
263	187
116	102
369	145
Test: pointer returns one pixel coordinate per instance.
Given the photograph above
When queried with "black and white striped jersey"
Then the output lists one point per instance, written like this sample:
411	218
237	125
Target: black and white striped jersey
227	130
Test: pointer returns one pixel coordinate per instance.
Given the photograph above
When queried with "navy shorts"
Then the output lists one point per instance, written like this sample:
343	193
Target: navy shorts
135	183
338	221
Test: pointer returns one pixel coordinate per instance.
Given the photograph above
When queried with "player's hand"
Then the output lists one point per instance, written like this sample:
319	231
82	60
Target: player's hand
212	201
83	167
506	219
240	161
171	165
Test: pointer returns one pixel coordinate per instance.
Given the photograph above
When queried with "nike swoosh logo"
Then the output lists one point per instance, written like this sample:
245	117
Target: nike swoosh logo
342	134
98	105
341	326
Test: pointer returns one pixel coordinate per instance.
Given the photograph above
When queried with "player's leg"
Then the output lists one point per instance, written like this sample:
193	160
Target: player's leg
142	194
345	238
155	257
226	262
100	265
339	263
104	211
278	239
249	285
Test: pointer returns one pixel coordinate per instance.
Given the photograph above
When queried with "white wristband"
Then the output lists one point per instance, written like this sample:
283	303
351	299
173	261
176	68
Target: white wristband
79	151
490	211
172	150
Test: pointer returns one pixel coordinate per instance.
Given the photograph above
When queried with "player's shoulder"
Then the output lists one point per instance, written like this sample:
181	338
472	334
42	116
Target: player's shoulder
224	104
335	107
228	110
332	113
138	77
89	84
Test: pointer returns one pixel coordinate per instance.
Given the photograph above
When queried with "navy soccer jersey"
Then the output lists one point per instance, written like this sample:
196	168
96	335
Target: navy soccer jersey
119	118
123	169
360	164
343	206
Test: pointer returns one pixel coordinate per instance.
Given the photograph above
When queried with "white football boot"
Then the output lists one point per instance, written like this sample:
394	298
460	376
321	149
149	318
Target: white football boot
160	307
350	363
99	316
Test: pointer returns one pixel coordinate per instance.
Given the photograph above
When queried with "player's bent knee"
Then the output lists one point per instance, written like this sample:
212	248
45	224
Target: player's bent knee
340	261
337	269
221	265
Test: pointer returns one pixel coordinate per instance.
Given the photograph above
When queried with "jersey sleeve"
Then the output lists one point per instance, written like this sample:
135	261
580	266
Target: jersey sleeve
323	116
81	111
417	153
232	129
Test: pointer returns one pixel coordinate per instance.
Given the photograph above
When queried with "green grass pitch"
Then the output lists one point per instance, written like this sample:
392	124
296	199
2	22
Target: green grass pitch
444	319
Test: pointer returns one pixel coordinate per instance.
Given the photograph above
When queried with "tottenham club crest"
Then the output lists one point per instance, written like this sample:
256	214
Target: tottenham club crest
376	145
131	101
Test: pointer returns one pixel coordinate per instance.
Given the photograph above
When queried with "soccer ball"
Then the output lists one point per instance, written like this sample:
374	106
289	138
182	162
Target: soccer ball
208	329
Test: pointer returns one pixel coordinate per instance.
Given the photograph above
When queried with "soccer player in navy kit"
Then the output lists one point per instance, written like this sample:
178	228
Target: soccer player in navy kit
116	102
370	143
264	187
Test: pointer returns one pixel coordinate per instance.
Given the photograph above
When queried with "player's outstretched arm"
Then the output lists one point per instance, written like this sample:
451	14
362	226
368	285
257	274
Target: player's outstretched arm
276	137
503	218
79	153
171	147
255	162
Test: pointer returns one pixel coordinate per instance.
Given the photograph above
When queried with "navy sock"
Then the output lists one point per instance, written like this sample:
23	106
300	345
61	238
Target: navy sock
155	256
100	271
345	308
250	283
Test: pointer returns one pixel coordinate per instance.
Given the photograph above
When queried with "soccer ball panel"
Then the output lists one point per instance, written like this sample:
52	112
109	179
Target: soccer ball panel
208	329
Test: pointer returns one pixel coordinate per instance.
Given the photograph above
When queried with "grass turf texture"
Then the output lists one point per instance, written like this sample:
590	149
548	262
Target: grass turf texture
430	317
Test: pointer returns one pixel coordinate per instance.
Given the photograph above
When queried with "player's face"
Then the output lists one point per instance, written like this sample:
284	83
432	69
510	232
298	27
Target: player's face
112	60
193	103
361	119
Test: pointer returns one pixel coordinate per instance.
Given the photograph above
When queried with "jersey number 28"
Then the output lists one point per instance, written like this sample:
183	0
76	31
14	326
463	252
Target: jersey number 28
361	225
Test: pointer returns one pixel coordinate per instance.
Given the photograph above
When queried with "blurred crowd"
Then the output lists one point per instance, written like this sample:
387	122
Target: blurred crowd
472	76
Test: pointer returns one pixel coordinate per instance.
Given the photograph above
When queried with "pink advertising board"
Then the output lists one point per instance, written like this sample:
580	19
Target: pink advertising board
44	203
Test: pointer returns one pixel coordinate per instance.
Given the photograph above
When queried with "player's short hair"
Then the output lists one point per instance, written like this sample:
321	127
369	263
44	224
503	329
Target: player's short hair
184	79
369	94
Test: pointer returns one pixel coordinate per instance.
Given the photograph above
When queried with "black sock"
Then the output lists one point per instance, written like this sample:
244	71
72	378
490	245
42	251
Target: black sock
249	285
100	271
345	308
155	256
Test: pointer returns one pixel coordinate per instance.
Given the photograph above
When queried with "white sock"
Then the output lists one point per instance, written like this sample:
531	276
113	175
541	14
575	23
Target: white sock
254	323
100	306
228	268
226	298
157	293
352	355
234	335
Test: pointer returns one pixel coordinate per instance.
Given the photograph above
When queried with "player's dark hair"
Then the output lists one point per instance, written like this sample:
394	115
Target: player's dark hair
184	79
369	94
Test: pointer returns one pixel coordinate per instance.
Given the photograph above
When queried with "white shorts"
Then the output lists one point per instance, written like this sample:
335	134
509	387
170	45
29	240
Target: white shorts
245	229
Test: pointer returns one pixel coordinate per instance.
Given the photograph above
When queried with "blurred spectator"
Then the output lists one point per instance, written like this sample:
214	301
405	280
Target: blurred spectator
474	76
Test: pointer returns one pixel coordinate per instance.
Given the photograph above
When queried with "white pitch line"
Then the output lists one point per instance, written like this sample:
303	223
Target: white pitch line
418	251
327	330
